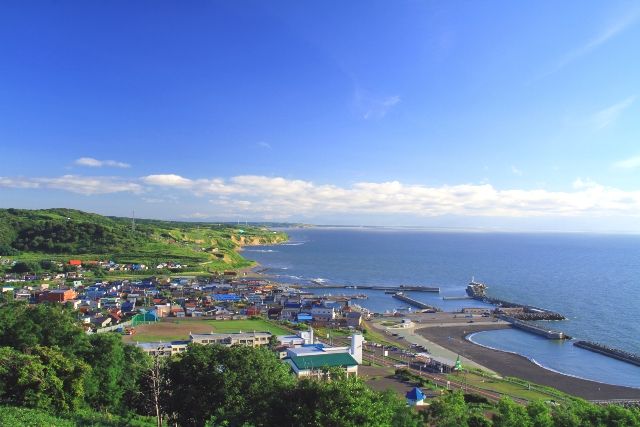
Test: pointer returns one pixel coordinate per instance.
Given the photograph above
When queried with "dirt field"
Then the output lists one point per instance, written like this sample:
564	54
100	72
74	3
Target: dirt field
179	329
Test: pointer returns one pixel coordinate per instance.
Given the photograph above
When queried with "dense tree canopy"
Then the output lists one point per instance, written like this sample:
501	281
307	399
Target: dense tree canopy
44	379
236	384
23	327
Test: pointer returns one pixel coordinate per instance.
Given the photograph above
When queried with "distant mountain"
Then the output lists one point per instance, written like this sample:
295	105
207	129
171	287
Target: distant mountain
59	232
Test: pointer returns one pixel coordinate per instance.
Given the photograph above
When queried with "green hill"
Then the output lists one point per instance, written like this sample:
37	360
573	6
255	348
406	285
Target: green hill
63	233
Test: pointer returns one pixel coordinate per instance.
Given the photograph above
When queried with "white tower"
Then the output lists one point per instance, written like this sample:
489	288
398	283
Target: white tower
357	341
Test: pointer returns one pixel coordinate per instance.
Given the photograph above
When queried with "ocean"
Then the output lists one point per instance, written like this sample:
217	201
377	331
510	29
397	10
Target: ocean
592	279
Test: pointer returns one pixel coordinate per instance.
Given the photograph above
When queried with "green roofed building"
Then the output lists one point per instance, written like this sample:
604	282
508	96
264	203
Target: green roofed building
315	365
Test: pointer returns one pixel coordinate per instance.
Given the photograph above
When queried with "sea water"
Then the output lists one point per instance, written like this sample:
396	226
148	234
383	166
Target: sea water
592	279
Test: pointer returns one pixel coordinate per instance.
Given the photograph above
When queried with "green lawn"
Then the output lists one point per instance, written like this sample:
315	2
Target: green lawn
502	386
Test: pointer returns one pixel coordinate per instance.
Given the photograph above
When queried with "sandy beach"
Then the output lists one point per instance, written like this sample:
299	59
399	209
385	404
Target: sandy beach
509	364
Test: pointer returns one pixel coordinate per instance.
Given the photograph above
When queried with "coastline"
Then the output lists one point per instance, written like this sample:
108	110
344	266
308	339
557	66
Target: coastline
454	338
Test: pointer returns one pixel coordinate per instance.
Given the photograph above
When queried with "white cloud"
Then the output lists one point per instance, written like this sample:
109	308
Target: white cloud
196	215
516	171
283	198
630	163
609	115
75	184
17	183
168	180
95	163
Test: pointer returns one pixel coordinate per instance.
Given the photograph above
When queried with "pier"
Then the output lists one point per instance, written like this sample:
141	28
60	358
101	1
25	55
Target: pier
415	303
394	289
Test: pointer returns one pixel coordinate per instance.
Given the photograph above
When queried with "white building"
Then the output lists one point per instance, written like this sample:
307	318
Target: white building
313	360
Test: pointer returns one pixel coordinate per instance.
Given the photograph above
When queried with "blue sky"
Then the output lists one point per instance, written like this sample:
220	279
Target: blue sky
496	114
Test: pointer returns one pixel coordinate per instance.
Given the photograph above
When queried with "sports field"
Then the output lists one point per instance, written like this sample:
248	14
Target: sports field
179	329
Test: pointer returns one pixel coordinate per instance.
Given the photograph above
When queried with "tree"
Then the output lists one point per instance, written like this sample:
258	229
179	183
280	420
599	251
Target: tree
106	357
510	414
540	414
236	385
23	327
450	410
45	379
345	401
477	419
21	267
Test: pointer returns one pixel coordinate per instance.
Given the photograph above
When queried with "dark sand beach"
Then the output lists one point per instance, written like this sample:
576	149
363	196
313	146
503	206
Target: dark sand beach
509	364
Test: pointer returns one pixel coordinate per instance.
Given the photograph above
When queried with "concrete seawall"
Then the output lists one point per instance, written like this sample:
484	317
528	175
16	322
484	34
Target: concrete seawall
414	303
534	329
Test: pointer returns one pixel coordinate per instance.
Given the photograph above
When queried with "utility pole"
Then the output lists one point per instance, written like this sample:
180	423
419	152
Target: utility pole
133	220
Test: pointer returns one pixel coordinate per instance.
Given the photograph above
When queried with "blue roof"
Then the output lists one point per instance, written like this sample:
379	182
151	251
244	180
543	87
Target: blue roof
415	394
226	297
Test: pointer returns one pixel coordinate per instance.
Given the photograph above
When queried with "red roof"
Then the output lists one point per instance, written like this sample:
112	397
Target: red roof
75	262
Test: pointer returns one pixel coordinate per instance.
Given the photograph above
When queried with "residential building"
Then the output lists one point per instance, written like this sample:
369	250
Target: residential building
57	295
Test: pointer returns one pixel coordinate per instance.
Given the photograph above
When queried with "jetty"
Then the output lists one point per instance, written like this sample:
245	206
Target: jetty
478	291
391	289
402	297
535	329
615	353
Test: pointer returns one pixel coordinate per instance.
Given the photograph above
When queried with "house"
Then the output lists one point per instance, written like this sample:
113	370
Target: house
323	314
354	319
57	295
22	295
75	262
100	321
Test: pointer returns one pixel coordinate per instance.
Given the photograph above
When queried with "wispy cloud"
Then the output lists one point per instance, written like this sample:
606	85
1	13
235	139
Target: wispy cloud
265	145
516	171
609	115
629	163
95	163
608	33
370	106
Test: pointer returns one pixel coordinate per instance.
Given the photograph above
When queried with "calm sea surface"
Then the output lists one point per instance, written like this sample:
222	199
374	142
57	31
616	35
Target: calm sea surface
594	280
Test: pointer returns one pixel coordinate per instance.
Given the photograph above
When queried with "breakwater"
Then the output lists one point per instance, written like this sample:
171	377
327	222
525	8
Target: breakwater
625	356
535	329
478	291
401	288
414	302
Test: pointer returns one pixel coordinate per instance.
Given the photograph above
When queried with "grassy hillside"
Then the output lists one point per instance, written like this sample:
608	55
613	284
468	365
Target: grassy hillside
60	233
